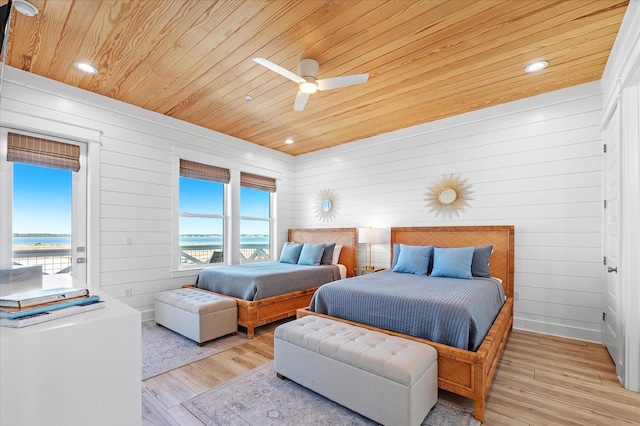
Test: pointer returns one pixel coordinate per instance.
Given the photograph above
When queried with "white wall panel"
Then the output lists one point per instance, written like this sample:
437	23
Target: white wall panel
535	164
132	187
123	199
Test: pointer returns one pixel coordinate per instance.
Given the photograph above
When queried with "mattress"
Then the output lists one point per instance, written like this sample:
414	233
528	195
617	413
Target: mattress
260	280
451	311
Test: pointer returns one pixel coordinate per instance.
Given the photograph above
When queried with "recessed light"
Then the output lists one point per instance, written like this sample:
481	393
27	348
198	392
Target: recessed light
288	141
86	67
536	66
248	97
25	7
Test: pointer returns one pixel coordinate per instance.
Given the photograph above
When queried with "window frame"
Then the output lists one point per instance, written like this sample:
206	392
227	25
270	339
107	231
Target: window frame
80	272
269	219
231	202
223	216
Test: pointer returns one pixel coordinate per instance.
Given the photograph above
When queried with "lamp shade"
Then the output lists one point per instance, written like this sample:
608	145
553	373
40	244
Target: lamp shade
370	235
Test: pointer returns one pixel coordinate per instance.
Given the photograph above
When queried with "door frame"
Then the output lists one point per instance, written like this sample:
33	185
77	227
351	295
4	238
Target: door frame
19	121
630	282
614	110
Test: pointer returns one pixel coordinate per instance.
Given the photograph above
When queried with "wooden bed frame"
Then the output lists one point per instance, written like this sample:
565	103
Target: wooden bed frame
463	372
252	314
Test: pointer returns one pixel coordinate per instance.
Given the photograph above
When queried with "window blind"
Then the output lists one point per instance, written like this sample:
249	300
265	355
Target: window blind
257	182
42	152
194	170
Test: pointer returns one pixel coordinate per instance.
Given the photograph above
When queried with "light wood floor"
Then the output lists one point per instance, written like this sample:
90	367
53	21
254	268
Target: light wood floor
541	380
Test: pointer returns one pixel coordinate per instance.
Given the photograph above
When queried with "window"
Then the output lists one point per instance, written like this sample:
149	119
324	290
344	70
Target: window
201	213
255	216
42	236
46	195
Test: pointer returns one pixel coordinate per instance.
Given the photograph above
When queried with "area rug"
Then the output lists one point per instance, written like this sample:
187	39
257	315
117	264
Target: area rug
164	350
259	398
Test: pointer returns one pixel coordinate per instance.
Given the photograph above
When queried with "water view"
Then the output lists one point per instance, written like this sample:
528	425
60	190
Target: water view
42	241
65	240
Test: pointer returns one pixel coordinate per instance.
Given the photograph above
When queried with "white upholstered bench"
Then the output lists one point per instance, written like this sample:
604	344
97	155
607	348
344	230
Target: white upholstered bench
391	380
198	315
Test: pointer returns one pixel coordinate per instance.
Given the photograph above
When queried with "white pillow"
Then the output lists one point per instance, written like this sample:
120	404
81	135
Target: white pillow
336	254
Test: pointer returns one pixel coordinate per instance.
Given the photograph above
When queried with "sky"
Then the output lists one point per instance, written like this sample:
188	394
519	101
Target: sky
199	196
42	203
41	200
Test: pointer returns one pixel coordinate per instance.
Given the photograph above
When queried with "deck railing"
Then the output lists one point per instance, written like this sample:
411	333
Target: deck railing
58	260
202	254
53	261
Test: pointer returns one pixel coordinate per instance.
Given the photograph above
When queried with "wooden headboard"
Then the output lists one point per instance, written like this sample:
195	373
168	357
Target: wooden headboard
346	237
500	237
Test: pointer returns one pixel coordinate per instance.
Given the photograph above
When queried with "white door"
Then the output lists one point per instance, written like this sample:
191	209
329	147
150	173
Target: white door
612	225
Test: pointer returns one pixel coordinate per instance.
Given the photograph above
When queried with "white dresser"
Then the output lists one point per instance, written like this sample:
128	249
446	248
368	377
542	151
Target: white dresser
80	370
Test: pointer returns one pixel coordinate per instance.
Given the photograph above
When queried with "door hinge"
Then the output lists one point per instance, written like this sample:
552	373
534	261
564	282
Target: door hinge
605	204
604	148
604	260
604	316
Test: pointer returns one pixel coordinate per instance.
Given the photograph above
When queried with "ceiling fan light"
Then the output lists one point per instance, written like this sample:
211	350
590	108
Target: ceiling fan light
536	66
308	87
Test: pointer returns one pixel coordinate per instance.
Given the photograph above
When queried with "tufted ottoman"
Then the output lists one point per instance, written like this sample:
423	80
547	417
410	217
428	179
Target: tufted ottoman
196	314
391	380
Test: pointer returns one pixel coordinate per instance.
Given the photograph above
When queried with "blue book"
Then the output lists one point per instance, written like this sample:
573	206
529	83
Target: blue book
51	315
48	307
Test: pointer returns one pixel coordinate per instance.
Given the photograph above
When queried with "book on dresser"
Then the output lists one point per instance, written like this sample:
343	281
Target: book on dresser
51	315
46	307
37	297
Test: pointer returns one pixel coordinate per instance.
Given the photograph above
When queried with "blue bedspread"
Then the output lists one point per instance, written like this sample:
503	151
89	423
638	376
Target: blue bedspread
451	311
259	280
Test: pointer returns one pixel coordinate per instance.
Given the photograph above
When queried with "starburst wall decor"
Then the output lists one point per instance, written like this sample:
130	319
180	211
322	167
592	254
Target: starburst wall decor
449	195
325	205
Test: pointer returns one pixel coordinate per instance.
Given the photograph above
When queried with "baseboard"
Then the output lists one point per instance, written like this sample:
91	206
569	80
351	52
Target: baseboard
558	330
148	315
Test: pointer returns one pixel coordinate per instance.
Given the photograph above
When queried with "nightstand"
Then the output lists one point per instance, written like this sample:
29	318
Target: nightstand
365	270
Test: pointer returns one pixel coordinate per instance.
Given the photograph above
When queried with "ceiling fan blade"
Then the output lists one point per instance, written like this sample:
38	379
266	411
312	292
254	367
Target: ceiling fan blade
282	71
337	82
301	101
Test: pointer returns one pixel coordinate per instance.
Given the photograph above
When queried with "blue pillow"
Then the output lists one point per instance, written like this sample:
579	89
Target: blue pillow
452	262
311	254
480	261
413	259
327	256
290	252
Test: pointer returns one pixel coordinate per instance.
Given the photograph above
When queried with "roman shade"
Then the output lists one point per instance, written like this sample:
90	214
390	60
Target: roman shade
191	169
257	182
42	152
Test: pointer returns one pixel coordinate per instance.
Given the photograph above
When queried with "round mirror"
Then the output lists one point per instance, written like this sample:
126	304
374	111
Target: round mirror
325	205
447	196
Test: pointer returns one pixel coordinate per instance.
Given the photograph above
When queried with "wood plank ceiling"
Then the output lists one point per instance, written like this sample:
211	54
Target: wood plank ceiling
427	60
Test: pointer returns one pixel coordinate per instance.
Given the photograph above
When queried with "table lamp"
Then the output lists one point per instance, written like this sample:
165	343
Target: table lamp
370	236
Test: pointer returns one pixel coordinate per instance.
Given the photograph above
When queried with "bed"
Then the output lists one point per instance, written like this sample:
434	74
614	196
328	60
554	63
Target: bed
462	371
273	307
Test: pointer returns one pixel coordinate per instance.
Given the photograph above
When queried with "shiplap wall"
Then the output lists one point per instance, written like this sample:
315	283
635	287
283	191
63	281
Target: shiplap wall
135	178
535	164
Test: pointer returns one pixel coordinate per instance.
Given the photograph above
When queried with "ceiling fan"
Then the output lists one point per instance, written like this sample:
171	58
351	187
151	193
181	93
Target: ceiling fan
308	79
